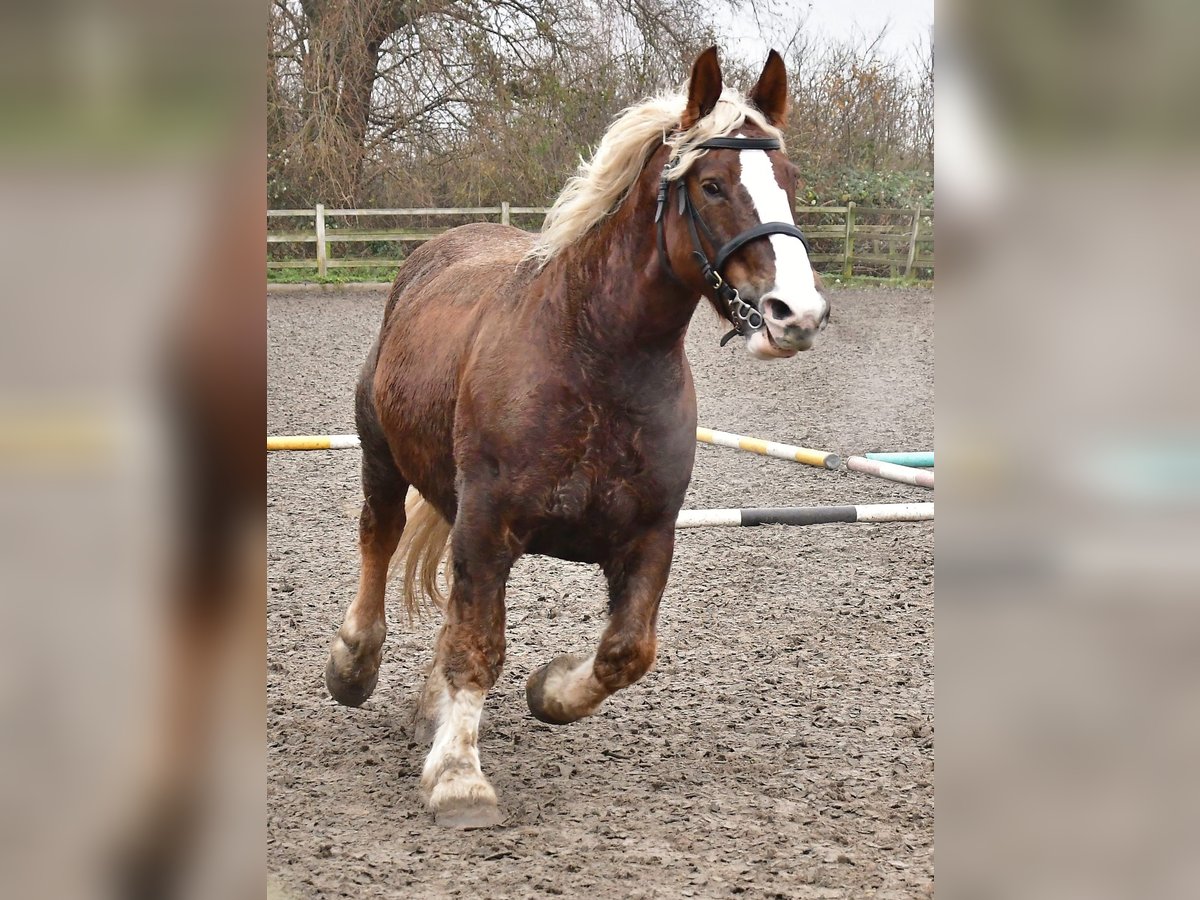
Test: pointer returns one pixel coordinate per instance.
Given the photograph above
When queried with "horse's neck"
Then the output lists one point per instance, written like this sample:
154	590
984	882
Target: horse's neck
617	291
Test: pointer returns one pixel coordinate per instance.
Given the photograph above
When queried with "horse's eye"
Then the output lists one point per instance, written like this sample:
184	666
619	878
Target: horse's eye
711	188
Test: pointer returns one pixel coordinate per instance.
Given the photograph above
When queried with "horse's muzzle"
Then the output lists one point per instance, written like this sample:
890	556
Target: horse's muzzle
794	326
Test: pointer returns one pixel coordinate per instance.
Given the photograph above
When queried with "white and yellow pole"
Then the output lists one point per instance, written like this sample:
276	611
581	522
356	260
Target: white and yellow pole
313	442
818	458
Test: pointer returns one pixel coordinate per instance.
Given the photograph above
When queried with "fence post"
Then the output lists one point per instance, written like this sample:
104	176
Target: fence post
321	249
504	213
912	243
848	257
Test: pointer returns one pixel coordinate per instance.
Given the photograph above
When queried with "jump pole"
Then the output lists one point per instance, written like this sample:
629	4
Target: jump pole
313	442
818	458
890	471
804	515
707	435
920	460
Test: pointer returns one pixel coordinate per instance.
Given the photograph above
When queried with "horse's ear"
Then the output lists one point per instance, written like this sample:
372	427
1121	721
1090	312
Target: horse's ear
704	88
771	93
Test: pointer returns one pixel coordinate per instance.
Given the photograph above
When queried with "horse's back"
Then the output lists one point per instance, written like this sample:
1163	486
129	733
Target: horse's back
459	267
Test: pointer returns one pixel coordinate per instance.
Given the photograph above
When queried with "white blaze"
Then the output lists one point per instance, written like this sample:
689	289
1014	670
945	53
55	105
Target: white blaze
793	272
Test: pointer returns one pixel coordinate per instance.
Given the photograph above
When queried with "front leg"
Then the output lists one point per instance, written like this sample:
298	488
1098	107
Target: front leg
574	685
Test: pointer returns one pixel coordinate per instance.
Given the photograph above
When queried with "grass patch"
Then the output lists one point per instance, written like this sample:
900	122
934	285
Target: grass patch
379	274
833	280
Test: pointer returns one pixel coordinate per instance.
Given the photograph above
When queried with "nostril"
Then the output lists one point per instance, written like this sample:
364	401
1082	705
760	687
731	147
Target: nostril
774	308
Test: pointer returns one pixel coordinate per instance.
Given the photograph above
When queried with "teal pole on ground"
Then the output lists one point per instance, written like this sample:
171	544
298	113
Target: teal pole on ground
921	460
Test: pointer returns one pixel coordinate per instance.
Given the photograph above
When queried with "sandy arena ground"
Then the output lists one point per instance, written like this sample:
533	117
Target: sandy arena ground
781	747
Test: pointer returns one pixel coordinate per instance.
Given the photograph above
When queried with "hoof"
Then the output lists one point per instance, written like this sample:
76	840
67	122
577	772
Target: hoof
545	708
352	670
467	814
464	800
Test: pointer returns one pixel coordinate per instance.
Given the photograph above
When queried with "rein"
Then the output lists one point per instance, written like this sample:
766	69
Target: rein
745	317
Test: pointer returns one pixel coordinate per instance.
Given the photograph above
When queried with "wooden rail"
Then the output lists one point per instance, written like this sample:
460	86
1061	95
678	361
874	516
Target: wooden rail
836	246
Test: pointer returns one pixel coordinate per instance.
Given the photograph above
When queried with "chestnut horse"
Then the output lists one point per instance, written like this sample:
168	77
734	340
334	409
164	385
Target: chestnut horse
535	392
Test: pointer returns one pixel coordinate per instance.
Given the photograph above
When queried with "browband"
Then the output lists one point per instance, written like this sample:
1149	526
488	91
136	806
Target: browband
736	143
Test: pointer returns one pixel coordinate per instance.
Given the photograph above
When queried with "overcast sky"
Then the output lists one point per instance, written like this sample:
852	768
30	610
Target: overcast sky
908	21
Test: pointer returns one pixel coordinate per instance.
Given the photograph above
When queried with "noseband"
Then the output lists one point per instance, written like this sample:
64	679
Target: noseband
745	317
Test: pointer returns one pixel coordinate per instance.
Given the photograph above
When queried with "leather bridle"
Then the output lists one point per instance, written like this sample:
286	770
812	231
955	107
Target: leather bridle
746	318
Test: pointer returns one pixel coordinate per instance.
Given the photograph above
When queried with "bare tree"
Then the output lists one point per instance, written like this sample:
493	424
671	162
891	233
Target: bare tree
351	79
465	101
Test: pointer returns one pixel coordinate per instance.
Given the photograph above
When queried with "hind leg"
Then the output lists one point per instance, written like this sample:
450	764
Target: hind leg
357	650
574	685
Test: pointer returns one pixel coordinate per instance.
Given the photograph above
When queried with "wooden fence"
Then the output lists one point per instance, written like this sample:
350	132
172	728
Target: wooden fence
843	239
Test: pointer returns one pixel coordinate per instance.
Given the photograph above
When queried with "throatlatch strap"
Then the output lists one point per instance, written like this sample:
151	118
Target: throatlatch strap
660	219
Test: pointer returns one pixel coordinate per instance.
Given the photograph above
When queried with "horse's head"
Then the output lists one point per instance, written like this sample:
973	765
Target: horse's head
735	206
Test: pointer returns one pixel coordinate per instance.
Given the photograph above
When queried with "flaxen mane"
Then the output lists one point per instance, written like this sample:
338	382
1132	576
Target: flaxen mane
602	182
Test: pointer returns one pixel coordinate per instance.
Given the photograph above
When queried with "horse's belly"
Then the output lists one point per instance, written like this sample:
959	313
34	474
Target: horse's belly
568	547
596	525
578	542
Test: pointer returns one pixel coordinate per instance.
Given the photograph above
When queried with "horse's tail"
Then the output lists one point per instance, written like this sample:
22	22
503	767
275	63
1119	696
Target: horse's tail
423	545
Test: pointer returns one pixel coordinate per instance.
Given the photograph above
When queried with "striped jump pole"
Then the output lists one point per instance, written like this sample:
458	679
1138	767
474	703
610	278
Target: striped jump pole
920	460
890	471
805	515
707	435
313	442
819	458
